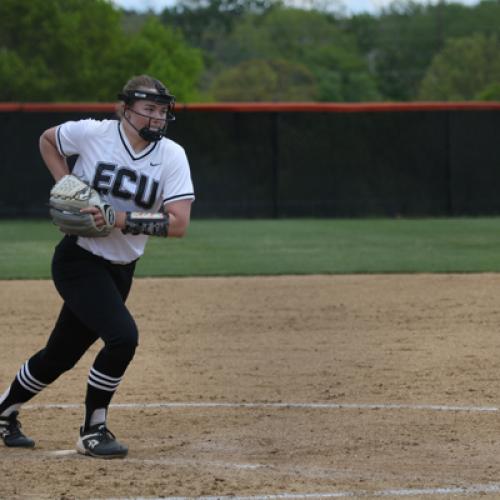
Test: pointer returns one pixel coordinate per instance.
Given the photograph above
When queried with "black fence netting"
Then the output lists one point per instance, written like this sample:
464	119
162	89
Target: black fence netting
362	164
474	156
274	163
231	157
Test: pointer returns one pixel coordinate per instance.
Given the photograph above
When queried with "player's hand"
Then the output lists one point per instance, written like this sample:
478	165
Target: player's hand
96	213
99	218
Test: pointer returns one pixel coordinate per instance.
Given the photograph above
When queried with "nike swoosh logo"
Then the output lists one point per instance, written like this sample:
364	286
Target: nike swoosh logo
154	164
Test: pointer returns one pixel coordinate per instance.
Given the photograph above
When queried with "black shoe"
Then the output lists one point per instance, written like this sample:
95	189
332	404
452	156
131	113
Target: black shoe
10	431
98	441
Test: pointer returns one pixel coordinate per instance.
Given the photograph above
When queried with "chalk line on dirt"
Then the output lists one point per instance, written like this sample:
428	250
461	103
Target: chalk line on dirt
405	492
306	406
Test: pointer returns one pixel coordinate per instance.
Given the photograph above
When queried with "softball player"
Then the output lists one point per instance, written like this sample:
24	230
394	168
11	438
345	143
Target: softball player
145	177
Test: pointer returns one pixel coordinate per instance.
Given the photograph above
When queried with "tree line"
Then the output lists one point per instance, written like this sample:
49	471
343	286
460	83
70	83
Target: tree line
251	50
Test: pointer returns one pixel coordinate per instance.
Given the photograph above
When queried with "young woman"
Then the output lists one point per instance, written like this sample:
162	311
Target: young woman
145	177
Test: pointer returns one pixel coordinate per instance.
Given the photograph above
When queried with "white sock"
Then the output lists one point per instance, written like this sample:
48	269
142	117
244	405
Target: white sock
98	417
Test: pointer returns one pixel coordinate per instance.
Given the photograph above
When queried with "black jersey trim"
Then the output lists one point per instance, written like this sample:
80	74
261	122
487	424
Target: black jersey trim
58	138
128	150
177	196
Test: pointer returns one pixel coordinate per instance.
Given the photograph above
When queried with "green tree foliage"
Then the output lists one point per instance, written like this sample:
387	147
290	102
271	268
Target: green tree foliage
161	52
258	80
489	93
21	81
84	50
77	50
401	43
65	49
308	38
55	46
467	68
204	22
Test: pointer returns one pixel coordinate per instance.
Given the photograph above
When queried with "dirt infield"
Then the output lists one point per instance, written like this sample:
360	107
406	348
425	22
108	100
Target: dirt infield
406	367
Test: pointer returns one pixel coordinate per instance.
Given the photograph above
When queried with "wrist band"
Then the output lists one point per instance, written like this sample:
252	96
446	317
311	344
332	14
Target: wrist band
146	223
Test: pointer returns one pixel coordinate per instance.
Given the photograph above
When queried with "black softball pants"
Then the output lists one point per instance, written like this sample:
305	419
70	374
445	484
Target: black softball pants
94	292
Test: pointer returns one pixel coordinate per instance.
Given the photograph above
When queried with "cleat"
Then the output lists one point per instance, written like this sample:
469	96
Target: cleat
10	432
99	442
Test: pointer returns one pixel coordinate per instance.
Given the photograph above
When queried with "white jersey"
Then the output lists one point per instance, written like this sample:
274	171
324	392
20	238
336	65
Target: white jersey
128	181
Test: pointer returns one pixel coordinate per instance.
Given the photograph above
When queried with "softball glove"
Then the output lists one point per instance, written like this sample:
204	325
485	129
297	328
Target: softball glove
68	196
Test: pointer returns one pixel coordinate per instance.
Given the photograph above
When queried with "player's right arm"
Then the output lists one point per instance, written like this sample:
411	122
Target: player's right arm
56	163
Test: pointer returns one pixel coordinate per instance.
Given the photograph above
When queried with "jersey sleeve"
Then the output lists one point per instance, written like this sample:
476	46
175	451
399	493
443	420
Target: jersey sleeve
177	183
70	136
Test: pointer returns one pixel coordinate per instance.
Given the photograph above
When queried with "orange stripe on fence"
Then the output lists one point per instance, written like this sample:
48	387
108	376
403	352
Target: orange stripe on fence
333	107
57	107
253	107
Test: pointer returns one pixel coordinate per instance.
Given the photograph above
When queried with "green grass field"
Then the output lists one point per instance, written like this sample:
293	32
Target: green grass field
290	246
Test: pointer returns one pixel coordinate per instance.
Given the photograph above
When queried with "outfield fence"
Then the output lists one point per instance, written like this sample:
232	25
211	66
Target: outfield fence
296	159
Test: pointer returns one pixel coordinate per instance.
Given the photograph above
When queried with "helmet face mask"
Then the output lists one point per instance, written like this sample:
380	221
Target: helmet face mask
147	132
162	97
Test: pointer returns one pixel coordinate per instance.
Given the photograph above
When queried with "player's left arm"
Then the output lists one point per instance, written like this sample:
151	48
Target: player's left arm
173	222
179	214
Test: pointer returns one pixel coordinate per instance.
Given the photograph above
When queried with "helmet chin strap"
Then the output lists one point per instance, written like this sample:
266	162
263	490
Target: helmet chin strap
147	133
